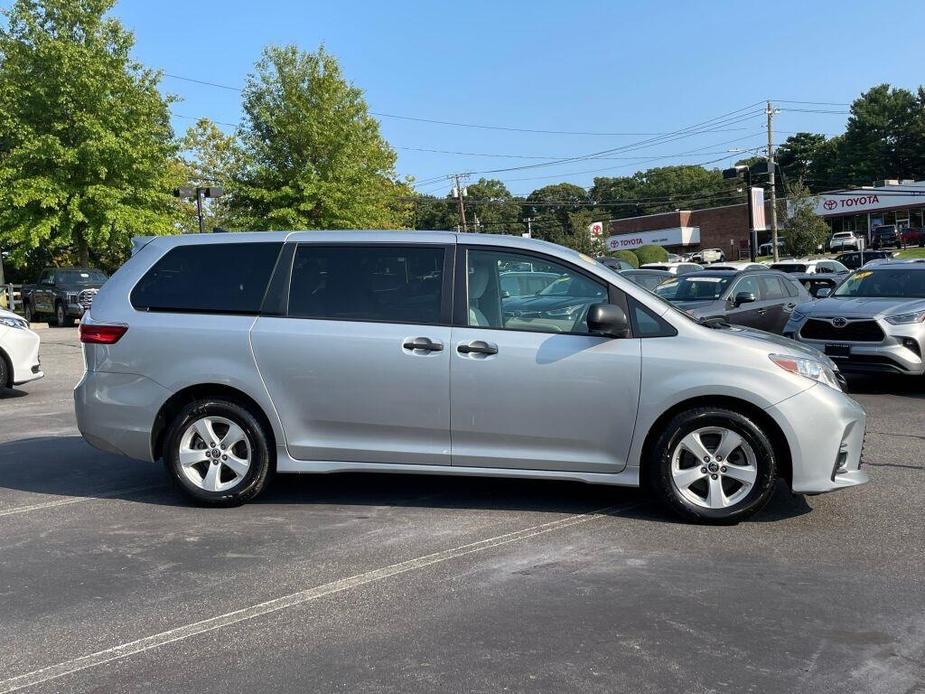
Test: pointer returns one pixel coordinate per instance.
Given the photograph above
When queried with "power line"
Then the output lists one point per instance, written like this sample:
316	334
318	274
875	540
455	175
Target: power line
811	103
419	119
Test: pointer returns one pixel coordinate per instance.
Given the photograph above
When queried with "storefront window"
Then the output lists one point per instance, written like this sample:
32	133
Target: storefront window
889	218
915	219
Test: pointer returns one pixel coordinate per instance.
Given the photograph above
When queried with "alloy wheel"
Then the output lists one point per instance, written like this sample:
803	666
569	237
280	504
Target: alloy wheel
713	467
215	453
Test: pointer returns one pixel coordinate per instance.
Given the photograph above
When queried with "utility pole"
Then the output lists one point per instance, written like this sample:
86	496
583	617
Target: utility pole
529	221
460	192
771	171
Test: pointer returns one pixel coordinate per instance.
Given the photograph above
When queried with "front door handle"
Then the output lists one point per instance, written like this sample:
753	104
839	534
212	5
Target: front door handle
477	347
423	343
762	311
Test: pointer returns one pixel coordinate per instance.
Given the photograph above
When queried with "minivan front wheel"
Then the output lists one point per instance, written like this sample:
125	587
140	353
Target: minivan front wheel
713	465
217	452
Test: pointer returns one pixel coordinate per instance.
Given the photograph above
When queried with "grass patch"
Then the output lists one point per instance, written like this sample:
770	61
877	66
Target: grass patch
912	253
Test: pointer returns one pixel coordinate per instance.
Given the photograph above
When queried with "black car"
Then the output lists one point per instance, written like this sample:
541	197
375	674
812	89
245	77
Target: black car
647	279
752	298
561	306
885	236
856	259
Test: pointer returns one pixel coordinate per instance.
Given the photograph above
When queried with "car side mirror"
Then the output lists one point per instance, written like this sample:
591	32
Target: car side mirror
823	292
607	320
744	298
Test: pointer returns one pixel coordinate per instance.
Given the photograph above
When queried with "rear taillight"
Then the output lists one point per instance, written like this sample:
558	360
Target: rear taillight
101	334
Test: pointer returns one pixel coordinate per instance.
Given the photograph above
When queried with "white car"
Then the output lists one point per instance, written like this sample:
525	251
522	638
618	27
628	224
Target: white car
673	268
738	266
709	255
767	247
19	351
809	266
844	241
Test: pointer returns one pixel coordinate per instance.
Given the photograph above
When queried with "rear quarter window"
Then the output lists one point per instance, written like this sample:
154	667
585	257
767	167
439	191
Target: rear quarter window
208	278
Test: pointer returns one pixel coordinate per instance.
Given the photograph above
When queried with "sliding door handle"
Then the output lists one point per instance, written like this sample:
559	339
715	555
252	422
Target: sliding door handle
477	347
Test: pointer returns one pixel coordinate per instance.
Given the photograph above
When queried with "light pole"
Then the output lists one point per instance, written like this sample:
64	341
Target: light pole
745	172
200	193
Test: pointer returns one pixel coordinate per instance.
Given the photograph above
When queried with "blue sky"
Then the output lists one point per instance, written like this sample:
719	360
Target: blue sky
601	67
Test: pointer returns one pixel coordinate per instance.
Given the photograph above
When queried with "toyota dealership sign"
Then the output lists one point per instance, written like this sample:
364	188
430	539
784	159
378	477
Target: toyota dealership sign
676	236
870	200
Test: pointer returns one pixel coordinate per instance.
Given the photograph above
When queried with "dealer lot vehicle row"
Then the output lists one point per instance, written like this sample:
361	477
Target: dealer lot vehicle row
399	352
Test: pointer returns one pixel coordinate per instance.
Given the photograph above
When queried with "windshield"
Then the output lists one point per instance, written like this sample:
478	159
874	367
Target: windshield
789	267
894	283
693	288
80	277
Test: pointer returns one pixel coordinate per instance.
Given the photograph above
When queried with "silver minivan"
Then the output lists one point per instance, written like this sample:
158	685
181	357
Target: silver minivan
233	356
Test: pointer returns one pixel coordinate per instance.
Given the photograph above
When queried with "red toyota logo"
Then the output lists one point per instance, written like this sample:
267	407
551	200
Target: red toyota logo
829	204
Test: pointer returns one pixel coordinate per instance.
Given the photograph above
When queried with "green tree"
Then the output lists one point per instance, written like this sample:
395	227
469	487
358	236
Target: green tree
884	137
799	154
208	155
628	256
805	230
87	158
664	189
490	204
550	208
310	155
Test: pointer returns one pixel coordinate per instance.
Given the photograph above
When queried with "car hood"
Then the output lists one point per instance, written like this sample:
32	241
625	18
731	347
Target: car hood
863	306
74	288
778	343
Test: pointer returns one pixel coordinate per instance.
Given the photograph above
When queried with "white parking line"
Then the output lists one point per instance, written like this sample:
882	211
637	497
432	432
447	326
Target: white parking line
292	600
67	500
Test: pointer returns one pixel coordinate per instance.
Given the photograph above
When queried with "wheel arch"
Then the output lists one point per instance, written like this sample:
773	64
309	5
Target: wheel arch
9	369
770	427
199	391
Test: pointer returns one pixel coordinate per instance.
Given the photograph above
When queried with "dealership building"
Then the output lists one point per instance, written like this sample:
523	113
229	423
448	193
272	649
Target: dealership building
859	210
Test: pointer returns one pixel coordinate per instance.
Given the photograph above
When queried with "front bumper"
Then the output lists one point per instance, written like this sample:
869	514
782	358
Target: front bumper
116	411
22	348
890	355
825	431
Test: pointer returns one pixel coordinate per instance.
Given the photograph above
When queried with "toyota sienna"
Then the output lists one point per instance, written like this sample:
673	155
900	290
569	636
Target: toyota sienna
231	356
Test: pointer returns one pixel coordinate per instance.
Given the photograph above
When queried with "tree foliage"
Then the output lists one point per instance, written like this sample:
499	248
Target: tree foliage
310	155
651	254
86	148
806	231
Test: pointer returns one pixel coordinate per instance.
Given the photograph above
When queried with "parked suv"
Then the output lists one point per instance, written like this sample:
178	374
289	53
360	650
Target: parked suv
757	299
61	295
844	241
873	322
396	352
856	259
885	236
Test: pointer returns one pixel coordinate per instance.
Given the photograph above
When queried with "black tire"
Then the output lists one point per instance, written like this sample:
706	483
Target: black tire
257	476
659	478
62	320
27	312
6	377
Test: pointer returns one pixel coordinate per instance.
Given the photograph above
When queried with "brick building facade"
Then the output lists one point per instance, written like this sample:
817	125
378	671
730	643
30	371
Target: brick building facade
717	227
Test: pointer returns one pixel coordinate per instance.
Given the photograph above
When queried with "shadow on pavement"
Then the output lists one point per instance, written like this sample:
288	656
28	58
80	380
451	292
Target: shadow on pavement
68	466
887	384
10	393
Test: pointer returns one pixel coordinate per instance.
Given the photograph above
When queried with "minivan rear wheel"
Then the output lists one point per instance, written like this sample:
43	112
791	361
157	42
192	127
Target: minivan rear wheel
713	465
217	452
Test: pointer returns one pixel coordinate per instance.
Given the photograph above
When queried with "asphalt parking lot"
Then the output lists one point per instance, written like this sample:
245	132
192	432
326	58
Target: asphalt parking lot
111	582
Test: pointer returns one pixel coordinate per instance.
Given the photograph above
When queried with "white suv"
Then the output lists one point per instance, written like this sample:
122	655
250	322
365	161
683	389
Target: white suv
844	241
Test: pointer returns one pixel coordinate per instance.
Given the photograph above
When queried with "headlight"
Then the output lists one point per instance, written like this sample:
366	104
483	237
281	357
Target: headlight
14	323
904	318
797	316
806	367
